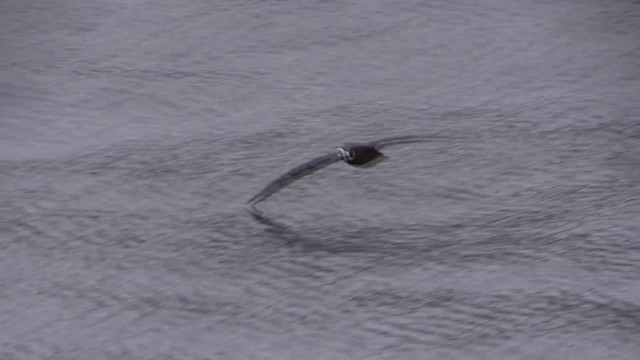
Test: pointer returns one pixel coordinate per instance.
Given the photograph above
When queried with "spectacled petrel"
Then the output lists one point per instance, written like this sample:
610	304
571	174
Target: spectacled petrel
362	155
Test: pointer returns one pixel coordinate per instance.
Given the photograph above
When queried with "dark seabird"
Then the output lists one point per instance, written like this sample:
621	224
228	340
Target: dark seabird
363	155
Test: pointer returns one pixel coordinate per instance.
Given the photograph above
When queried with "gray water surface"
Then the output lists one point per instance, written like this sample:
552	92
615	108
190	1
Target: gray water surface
132	133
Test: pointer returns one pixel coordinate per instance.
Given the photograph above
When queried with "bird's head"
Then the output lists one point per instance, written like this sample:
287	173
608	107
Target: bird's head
345	154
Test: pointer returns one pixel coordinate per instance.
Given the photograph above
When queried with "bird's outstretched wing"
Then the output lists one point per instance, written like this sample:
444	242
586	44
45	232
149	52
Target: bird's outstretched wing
407	139
294	174
381	143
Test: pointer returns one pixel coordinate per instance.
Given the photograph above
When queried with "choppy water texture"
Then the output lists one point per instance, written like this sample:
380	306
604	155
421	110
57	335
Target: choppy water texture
132	132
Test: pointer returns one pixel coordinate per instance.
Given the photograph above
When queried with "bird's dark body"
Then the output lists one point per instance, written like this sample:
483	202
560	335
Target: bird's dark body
363	154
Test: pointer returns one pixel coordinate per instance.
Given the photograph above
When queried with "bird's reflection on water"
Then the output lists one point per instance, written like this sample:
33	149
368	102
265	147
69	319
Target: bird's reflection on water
279	229
316	240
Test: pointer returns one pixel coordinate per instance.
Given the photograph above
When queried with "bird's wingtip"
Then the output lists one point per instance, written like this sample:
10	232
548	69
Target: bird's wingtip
251	208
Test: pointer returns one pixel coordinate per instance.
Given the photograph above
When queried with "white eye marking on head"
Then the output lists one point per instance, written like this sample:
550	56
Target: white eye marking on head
345	154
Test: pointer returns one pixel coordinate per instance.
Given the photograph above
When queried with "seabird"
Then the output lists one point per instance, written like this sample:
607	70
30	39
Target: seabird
362	155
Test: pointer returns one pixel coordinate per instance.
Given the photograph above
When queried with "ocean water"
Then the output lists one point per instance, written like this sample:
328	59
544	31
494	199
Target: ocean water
132	132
